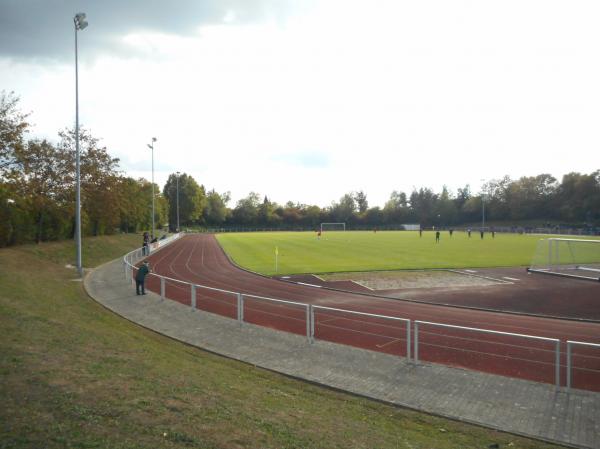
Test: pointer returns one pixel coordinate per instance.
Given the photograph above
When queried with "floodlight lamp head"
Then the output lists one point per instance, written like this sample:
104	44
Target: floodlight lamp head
80	22
154	139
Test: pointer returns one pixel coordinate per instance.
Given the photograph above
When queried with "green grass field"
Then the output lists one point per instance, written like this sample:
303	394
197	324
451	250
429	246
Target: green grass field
74	375
302	252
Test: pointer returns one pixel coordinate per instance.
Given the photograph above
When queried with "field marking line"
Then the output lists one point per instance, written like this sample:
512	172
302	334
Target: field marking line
510	279
395	340
309	285
361	285
489	278
471	271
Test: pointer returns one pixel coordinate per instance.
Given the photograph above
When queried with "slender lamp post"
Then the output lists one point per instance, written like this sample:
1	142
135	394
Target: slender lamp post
151	146
80	24
178	174
482	208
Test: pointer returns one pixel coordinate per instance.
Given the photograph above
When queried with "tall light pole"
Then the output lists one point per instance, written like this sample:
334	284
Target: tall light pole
151	146
178	174
482	208
80	24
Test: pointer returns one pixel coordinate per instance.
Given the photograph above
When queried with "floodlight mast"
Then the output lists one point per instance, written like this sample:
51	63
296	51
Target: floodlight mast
80	24
151	146
482	207
178	175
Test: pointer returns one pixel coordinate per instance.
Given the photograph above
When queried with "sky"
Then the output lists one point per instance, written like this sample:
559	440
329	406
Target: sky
307	100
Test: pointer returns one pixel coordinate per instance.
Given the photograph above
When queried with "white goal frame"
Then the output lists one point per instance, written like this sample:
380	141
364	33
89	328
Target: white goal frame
557	267
343	225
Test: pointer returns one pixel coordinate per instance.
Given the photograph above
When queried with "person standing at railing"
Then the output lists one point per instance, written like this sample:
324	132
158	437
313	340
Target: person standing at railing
140	278
145	251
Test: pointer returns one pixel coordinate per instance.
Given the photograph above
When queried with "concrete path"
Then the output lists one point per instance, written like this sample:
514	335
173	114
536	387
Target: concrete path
512	405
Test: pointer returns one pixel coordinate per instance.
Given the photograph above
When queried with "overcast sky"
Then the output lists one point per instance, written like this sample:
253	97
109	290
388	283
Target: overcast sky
307	100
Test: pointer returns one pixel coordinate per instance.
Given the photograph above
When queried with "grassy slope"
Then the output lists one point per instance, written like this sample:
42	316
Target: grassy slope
301	252
74	375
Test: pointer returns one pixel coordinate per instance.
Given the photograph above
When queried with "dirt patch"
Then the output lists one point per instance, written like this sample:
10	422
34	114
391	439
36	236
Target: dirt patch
392	280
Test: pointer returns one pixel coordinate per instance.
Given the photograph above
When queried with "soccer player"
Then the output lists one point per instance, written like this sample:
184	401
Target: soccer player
437	236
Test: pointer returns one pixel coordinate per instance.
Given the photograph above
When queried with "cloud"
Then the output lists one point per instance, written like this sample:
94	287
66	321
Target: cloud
308	159
43	30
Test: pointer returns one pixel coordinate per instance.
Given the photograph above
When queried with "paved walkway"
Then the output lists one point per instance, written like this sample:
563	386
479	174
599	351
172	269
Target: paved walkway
517	406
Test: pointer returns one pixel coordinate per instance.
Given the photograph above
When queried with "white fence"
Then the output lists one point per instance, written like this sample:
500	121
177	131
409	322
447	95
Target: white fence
555	341
570	368
240	301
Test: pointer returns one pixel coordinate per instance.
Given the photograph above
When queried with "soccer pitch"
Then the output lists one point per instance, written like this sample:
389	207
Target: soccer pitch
303	252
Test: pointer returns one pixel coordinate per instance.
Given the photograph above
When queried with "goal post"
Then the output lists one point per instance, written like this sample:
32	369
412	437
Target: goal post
577	258
333	227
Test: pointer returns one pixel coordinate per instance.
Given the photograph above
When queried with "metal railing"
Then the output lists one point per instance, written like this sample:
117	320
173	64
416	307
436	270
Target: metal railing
570	344
412	341
364	314
556	342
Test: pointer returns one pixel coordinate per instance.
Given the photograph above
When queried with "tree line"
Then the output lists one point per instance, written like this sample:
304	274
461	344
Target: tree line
37	196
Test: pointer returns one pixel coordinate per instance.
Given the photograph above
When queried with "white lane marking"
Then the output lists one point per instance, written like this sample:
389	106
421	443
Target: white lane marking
389	343
310	285
285	277
471	271
510	279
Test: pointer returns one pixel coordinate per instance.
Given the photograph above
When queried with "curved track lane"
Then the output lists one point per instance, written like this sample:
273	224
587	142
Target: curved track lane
199	259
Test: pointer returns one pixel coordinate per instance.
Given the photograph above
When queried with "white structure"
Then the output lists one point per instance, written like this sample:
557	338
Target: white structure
333	227
80	24
578	258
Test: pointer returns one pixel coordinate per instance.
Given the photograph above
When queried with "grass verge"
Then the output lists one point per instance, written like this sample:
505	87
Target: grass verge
73	375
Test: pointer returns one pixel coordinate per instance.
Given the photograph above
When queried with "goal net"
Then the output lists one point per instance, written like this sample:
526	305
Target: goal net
333	227
567	257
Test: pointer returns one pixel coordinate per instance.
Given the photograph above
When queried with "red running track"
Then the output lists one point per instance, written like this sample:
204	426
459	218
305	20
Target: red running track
199	259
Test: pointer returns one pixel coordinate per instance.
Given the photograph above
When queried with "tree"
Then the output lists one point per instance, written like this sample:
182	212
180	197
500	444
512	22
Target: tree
344	210
192	200
531	197
99	181
216	211
39	180
361	202
266	213
12	130
423	202
496	198
445	209
246	209
579	196
396	208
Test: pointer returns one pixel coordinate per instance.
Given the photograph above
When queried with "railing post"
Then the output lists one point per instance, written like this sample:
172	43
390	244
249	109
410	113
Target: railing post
193	296
240	305
312	323
308	322
407	341
162	288
416	351
557	361
568	365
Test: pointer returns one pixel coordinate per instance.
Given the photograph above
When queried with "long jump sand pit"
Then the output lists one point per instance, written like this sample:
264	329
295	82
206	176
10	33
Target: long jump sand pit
392	280
497	289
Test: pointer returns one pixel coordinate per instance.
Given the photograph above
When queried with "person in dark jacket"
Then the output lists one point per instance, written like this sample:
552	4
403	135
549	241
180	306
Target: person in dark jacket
140	278
145	248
